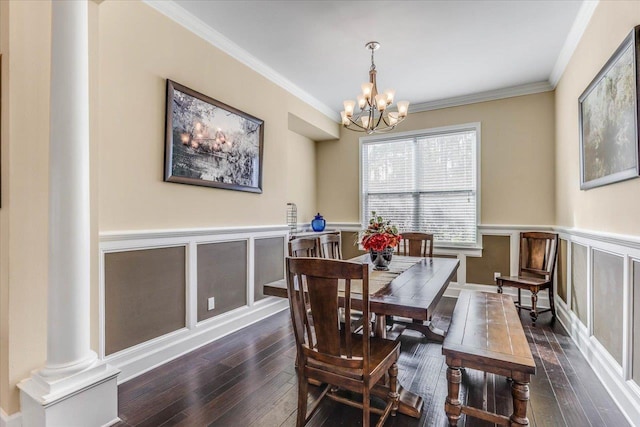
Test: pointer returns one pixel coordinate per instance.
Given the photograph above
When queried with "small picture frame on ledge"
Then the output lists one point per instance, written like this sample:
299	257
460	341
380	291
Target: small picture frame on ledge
211	144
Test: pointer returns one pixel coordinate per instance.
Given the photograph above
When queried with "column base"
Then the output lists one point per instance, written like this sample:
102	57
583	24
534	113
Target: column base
87	398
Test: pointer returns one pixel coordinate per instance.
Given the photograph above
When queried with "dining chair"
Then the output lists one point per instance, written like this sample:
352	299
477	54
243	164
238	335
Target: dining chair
325	351
538	252
416	244
330	246
304	247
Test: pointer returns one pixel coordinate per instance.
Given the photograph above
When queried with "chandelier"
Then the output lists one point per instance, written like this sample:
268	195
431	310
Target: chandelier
374	115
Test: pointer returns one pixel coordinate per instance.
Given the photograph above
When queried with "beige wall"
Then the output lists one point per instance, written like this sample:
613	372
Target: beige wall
517	160
301	177
139	49
25	33
133	50
592	209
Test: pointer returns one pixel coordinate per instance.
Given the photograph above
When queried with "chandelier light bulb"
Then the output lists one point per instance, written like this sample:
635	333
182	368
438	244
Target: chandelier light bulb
348	107
393	118
366	90
365	121
361	101
345	119
403	108
390	94
381	102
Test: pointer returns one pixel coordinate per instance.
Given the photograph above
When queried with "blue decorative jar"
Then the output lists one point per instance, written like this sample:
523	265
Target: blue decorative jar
318	223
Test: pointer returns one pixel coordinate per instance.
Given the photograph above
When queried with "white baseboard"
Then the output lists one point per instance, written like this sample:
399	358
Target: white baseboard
140	359
13	420
605	368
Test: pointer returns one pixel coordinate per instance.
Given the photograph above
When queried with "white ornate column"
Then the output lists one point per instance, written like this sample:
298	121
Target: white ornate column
74	387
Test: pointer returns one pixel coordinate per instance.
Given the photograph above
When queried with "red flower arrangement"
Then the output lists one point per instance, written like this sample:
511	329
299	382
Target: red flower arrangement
380	234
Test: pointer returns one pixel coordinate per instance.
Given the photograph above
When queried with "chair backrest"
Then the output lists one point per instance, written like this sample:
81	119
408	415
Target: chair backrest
416	244
304	247
538	254
330	246
315	315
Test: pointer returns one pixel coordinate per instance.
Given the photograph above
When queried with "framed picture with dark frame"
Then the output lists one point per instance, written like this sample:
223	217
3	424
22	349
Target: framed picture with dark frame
210	143
608	116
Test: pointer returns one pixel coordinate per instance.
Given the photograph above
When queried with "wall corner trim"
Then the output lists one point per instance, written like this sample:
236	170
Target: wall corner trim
192	23
573	38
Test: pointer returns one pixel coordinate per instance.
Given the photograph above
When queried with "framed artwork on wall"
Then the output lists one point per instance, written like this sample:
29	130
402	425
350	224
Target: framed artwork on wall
608	117
211	144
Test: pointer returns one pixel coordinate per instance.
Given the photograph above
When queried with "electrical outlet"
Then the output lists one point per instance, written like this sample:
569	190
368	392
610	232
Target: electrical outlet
212	303
496	275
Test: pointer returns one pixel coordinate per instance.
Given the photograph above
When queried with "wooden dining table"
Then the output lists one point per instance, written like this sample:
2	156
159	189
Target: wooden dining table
411	289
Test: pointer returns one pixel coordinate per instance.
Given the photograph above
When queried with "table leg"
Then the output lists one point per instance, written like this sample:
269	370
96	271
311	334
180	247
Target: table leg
520	394
380	327
453	405
428	330
408	403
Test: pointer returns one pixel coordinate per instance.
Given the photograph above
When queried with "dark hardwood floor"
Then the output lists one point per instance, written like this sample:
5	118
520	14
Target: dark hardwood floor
248	379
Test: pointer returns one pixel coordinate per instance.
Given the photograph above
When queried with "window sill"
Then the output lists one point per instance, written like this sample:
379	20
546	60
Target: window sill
472	251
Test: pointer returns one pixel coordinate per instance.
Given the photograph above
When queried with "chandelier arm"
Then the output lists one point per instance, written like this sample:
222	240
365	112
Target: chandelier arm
354	123
379	120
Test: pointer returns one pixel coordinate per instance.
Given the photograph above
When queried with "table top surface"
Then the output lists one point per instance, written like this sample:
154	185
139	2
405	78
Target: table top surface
486	327
412	287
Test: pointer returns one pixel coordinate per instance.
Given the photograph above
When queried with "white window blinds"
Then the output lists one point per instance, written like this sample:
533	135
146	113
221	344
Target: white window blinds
424	181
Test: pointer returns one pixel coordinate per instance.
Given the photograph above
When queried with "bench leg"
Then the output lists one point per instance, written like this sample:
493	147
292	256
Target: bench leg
453	406
520	394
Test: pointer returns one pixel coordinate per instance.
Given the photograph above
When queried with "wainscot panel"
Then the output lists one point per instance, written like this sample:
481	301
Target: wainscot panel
561	284
269	263
495	258
636	322
349	246
579	299
607	301
144	295
222	275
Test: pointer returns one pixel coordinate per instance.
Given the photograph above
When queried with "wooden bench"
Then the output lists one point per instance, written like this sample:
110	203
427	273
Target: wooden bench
486	334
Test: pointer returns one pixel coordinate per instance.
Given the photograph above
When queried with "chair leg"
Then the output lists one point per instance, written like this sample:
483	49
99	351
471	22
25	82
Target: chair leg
534	302
393	388
302	400
366	407
519	297
499	286
552	302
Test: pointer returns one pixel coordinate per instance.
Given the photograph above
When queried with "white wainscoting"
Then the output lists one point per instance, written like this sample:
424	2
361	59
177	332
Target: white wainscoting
616	378
140	358
136	360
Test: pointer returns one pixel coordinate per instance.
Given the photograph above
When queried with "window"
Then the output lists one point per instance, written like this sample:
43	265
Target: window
424	181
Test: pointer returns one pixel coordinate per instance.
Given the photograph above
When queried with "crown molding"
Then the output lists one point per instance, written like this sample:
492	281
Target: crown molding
491	95
192	23
573	38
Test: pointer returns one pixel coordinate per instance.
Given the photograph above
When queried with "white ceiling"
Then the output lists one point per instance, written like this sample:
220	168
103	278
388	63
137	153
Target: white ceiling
431	50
